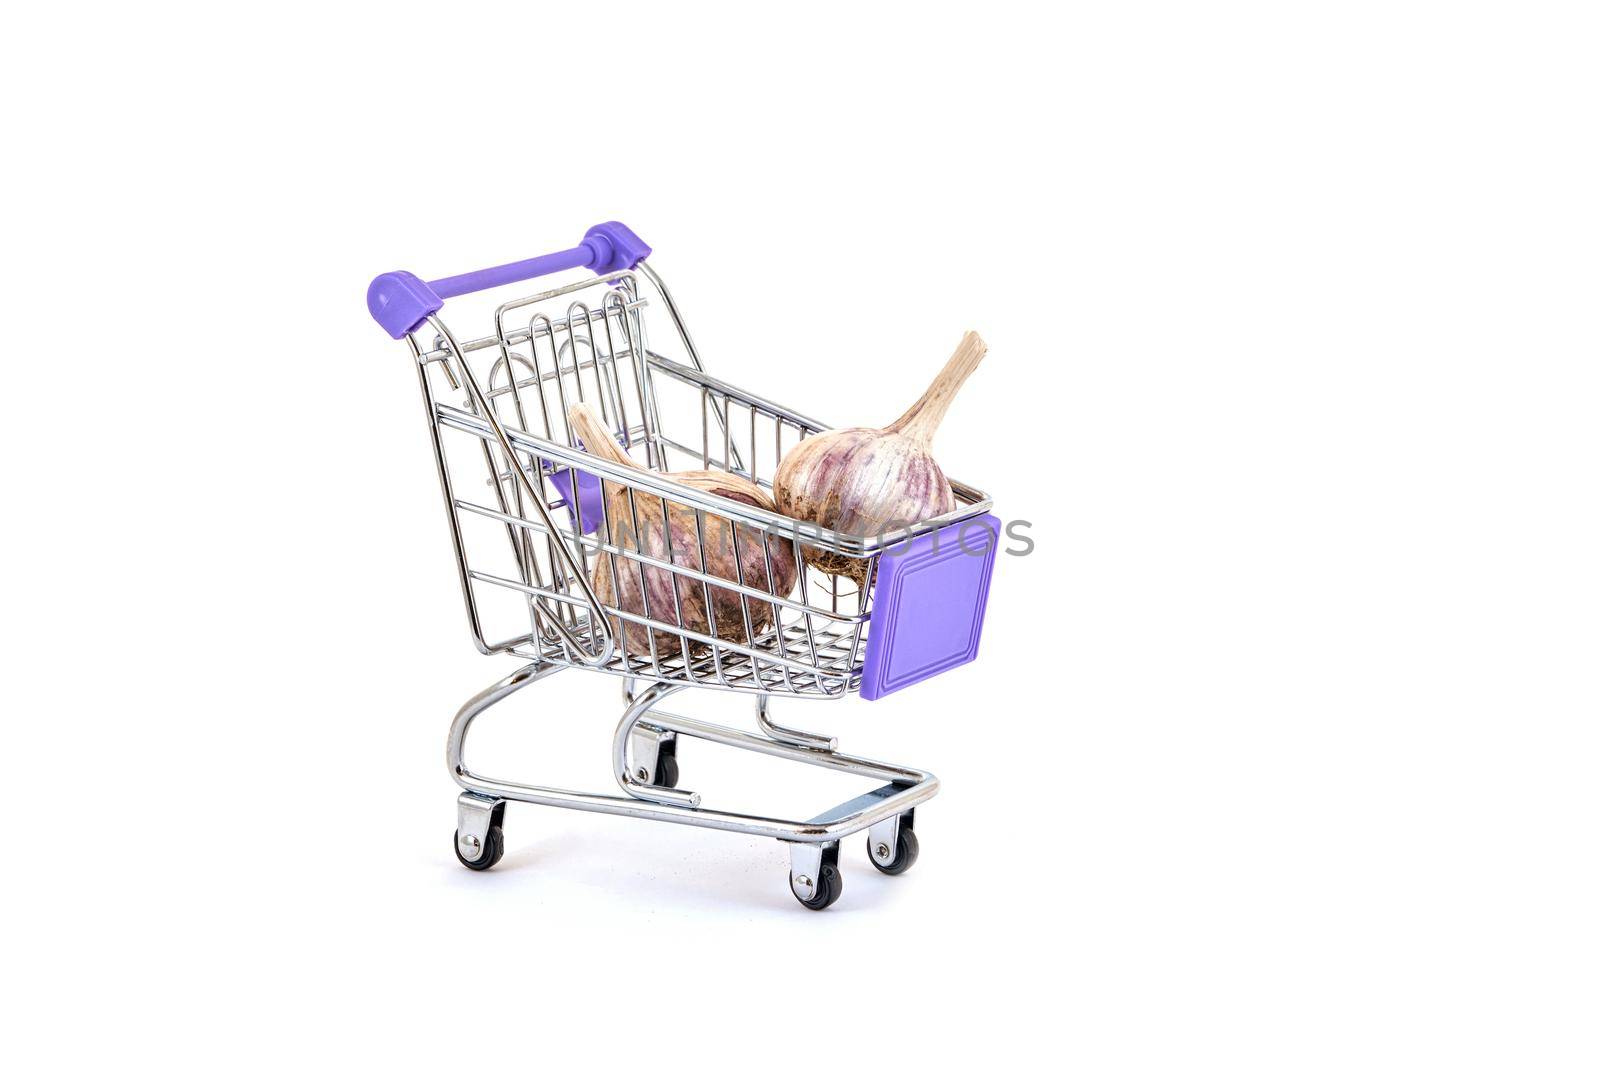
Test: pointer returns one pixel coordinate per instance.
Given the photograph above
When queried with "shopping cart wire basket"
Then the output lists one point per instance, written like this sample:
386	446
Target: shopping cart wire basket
533	515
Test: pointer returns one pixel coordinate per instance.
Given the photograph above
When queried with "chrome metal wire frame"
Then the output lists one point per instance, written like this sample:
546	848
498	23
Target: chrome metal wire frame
904	787
559	545
511	413
786	734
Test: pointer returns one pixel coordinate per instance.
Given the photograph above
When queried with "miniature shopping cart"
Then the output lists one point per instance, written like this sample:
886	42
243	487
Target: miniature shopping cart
530	517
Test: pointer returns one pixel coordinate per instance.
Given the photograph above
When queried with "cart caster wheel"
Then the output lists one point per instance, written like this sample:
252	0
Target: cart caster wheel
494	847
905	852
666	774
667	771
830	884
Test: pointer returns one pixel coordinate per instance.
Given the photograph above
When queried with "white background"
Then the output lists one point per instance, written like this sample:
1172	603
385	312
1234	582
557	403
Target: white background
1282	745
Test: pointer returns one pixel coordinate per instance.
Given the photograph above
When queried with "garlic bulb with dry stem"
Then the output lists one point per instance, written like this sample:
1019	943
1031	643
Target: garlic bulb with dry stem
867	482
762	562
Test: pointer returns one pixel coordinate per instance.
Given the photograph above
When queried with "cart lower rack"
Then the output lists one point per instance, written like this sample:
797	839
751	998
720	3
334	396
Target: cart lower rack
537	524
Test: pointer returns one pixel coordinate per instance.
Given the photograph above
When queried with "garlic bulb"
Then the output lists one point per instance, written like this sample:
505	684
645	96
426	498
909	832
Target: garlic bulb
641	527
867	482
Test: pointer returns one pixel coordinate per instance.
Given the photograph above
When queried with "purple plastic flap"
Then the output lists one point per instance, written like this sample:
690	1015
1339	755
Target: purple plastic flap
588	500
927	611
588	490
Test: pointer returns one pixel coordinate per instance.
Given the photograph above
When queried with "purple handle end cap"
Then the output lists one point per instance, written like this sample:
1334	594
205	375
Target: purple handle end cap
400	302
615	247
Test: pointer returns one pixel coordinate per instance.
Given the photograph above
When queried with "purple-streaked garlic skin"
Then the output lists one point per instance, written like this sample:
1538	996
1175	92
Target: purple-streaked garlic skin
867	482
863	482
764	562
648	591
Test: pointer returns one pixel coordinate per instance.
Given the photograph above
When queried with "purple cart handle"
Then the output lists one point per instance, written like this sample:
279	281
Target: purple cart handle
401	302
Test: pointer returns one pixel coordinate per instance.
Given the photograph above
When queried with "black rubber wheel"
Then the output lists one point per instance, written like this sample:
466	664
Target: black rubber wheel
830	884
905	852
493	849
666	770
